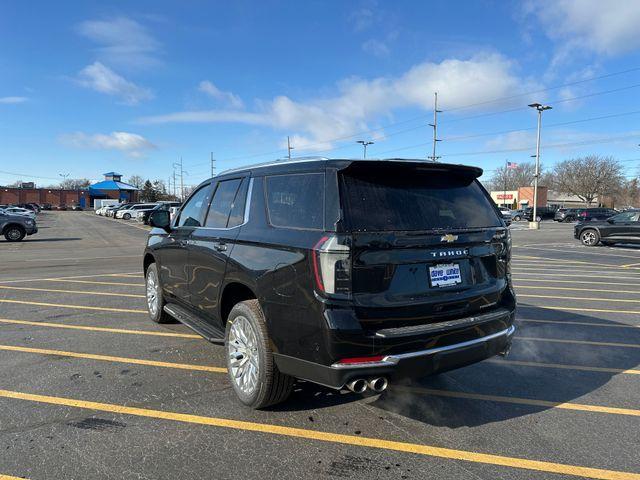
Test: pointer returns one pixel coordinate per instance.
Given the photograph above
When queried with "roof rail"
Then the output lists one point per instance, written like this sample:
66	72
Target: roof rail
279	161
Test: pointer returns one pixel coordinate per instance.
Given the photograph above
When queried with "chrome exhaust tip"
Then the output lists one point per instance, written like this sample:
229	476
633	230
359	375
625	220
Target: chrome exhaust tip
357	386
378	384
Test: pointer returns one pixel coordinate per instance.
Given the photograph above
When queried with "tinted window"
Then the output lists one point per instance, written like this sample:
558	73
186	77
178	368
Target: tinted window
237	209
626	217
296	200
221	203
403	198
192	215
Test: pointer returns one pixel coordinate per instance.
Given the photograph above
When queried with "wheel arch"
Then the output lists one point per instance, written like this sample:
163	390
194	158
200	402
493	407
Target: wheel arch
12	224
233	293
148	260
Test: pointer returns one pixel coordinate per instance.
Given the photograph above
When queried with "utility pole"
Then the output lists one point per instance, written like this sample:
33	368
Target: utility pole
433	156
506	170
289	147
182	172
540	108
174	181
364	147
213	166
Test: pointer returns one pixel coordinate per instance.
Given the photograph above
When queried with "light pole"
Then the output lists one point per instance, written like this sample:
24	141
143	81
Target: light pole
540	108
364	146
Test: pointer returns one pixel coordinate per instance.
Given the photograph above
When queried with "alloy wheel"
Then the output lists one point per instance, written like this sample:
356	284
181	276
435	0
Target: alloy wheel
152	292
589	237
14	234
243	355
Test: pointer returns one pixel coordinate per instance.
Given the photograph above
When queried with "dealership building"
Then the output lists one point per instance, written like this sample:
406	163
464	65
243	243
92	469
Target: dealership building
112	187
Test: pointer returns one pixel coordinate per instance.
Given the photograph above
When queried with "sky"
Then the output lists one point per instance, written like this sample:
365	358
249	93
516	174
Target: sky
88	87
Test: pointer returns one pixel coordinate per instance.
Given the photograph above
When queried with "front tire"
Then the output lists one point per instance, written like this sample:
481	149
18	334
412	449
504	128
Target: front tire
253	374
126	216
516	218
155	299
590	237
14	233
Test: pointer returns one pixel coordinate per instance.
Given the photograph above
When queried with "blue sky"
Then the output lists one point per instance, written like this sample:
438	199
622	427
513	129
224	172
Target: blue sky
87	87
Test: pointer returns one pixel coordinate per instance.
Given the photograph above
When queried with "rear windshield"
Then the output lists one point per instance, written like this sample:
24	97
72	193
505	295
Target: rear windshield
384	199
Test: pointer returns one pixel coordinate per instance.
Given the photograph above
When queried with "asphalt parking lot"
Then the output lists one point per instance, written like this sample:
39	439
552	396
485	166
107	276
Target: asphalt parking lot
91	388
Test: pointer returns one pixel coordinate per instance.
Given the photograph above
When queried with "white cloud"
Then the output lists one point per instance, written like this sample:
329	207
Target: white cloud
604	27
123	41
376	47
365	17
132	144
226	98
12	100
359	102
104	80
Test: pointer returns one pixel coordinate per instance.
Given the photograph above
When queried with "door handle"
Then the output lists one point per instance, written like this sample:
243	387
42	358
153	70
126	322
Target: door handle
220	246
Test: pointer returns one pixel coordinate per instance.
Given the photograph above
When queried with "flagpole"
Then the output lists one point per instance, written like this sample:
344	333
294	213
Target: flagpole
506	170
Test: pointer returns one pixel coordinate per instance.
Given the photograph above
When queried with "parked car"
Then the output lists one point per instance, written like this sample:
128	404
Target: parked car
11	210
346	273
62	206
621	228
542	213
76	208
16	227
144	216
29	206
46	206
506	213
517	215
134	210
112	210
591	214
567	214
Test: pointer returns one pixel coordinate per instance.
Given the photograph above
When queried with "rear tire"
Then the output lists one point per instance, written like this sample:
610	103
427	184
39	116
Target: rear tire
590	237
14	233
252	371
155	299
126	216
516	218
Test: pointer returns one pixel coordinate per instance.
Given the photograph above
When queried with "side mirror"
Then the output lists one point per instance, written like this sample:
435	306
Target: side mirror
160	219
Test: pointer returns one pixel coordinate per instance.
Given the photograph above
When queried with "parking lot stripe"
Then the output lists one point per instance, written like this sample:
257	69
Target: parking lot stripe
81	307
80	292
8	477
577	268
527	258
522	401
109	358
100	329
578	281
603	277
564	366
92	282
619	300
580	342
573	269
336	438
569	322
629	265
582	309
60	278
518	287
578	249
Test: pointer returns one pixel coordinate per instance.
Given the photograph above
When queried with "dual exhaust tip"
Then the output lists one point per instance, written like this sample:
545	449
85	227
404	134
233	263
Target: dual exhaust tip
360	385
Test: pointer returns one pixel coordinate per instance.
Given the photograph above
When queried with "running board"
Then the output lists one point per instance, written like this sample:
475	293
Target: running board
205	329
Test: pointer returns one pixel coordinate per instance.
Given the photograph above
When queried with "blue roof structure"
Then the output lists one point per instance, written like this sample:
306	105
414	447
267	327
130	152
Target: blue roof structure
112	174
111	185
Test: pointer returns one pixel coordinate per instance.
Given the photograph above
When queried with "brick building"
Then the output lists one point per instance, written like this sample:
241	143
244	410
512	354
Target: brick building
54	196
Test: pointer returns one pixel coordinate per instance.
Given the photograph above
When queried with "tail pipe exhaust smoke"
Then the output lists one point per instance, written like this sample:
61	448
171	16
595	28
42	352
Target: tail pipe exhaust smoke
378	385
357	386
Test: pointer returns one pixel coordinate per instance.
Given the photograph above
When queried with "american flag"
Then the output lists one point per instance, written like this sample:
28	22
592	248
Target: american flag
511	165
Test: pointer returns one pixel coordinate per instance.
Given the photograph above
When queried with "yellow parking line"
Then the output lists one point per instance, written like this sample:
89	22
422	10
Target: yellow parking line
564	366
620	300
81	307
603	278
577	267
629	265
22	280
577	281
518	287
582	309
336	438
8	477
81	292
556	261
100	329
580	342
126	275
109	358
574	269
590	324
90	282
581	407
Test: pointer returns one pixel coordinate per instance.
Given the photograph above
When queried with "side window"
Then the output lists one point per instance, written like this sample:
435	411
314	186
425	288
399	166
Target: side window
222	203
296	200
236	217
192	215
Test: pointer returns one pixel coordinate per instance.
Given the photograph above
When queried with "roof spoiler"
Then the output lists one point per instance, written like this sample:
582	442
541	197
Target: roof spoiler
421	165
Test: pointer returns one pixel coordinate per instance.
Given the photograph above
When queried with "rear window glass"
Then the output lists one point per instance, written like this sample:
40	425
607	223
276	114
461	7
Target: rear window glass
296	201
383	199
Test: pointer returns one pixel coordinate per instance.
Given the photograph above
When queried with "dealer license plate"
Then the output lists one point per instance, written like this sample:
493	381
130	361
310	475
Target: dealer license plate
445	275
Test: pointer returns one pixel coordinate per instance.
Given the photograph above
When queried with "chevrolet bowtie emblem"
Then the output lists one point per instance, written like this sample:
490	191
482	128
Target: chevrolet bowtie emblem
448	238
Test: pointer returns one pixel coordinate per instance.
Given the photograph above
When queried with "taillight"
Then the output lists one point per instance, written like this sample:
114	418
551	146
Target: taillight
361	360
332	265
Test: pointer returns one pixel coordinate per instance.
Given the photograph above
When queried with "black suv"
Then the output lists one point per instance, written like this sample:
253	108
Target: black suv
567	214
346	273
593	214
541	213
621	228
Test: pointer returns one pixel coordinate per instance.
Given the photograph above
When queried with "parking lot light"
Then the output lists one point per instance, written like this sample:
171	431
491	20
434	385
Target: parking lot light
534	224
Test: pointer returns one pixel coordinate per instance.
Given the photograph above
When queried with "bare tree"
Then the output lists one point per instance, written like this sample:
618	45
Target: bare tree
75	183
629	194
588	177
136	180
505	178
